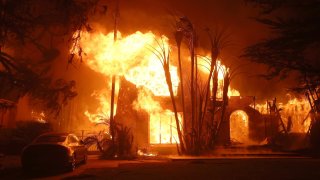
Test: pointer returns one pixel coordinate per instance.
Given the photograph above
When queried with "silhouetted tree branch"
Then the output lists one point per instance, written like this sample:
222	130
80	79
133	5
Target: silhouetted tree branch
37	24
294	44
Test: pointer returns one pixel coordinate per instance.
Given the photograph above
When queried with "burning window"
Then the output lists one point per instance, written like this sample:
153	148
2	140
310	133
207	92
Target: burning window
162	128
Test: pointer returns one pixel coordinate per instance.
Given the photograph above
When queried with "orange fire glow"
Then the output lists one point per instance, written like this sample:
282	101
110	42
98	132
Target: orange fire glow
132	57
296	109
222	69
38	116
163	128
239	124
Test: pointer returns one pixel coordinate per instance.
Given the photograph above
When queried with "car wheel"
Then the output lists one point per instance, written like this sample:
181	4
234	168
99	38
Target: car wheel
72	164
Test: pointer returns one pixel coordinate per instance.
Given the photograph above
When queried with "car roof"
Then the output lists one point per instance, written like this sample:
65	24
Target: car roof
55	134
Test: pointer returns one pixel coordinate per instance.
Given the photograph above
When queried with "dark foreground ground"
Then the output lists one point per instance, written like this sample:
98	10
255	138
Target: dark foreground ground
223	167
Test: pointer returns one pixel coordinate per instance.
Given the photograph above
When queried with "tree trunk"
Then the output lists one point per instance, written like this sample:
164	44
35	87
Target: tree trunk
226	83
181	85
169	83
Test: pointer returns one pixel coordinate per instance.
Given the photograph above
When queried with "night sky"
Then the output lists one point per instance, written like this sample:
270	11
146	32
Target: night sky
158	16
233	15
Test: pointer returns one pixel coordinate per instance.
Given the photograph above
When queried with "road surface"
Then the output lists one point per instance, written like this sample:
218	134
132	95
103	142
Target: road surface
246	167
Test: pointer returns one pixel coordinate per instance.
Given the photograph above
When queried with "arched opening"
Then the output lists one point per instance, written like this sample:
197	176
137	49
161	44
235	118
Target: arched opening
239	127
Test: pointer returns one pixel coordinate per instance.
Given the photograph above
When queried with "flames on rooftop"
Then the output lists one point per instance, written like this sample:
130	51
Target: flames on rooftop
131	57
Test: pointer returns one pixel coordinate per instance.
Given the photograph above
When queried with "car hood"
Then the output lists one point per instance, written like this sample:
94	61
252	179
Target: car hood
48	143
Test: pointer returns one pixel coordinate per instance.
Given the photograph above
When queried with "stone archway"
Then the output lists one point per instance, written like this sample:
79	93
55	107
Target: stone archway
239	127
255	124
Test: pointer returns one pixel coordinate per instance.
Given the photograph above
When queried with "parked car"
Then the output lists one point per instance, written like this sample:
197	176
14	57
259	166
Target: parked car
54	150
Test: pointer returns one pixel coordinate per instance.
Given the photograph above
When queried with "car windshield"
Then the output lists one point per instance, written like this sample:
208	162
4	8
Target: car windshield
51	139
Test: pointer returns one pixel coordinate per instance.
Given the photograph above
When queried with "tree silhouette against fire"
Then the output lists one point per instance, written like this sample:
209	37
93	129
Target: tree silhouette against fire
32	25
293	47
199	132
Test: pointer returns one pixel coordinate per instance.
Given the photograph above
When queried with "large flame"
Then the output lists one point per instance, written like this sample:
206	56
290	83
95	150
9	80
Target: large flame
132	57
163	128
296	109
204	66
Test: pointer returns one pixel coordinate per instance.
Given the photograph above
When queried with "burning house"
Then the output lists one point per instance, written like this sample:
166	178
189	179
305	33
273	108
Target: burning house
167	93
143	101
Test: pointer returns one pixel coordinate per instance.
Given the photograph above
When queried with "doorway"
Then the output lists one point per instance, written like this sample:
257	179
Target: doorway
239	127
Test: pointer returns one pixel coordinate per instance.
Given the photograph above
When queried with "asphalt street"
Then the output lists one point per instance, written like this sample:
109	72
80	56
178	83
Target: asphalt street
239	167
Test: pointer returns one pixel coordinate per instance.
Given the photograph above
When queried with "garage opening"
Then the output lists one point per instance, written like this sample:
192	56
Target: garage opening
239	127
